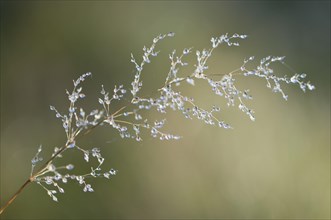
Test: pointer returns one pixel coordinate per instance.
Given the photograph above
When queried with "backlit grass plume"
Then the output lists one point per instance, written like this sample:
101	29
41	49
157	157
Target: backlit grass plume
128	120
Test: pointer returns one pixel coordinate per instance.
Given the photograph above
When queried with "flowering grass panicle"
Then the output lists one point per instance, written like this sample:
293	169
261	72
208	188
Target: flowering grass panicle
128	120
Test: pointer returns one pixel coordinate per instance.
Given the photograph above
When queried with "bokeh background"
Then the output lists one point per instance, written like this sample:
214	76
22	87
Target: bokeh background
275	168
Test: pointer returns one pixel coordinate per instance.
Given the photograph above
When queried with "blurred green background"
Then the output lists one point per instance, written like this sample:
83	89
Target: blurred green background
276	167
